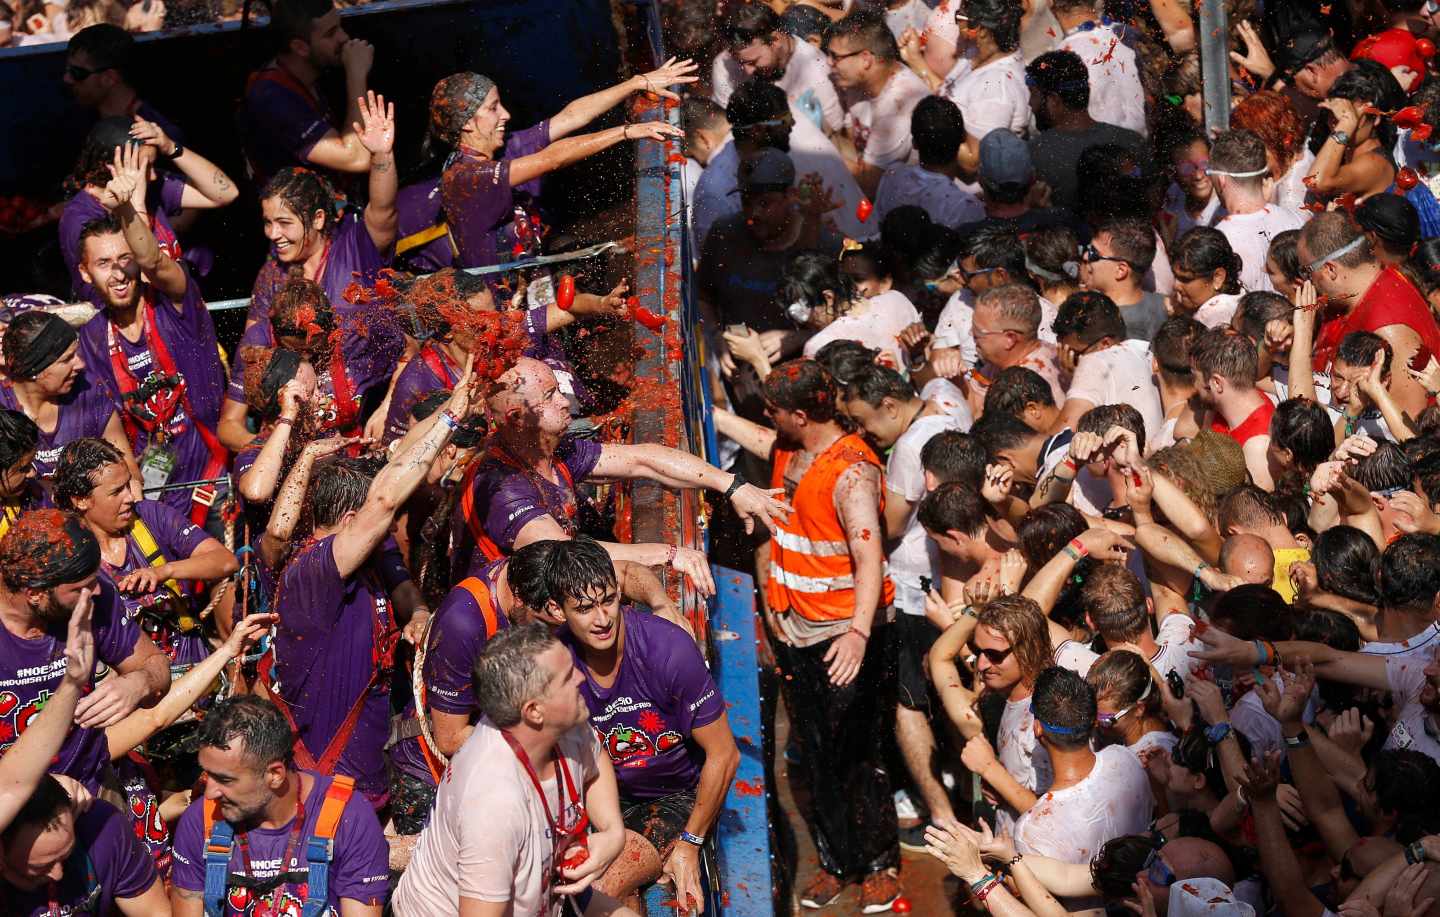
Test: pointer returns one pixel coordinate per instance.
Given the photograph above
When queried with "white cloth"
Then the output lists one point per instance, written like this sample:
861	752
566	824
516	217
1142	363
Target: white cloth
1423	645
1039	30
806	83
1071	825
916	555
1290	191
1160	278
1022	756
1406	678
1159	739
951	400
1250	235
1175	645
1075	656
880	127
1115	93
1206	898
1218	310
878	327
993	97
1280	378
1175	209
912	15
946	200
956	326
488	836
1250	718
1119	375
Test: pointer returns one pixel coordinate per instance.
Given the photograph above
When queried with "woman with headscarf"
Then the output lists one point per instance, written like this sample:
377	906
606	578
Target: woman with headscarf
481	174
45	380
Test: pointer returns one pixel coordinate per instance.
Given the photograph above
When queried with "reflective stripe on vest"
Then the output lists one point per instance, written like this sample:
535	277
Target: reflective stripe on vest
811	584
792	541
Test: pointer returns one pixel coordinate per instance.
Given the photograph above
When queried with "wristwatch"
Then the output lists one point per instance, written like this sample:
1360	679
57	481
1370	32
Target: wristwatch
1217	733
689	838
1340	137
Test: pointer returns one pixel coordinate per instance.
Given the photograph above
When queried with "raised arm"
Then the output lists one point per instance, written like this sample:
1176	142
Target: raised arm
285	514
258	483
755	439
571	150
1277	858
585	109
676	468
375	131
206	185
344	152
959	700
1045	586
119	196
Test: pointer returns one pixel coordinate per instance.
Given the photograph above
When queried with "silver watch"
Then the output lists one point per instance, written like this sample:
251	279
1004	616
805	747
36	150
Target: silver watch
1340	137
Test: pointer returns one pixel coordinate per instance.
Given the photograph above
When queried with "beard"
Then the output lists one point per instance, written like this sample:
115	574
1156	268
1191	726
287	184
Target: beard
51	611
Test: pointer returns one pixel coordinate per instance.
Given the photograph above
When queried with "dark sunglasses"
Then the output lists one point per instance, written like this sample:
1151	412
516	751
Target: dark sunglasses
81	74
1158	871
1090	254
996	657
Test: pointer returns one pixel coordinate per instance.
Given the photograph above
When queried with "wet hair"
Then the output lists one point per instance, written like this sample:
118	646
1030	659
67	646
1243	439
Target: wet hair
304	193
1407	573
1303	427
1171	347
1115	865
1064	707
1115	602
41	810
1061	74
1259	308
938	129
1370	82
339	485
1285	253
1407	782
1195	754
1385	468
19	436
868	31
108	225
999	247
80	461
1002	432
1348	563
46	548
1102	417
1132	239
1054	250
803	385
1019	620
1224	353
844	359
507	674
753	103
577	570
954	456
1183	467
526	570
1203	250
875	383
700	113
1271	116
942	248
267	734
98	151
1124	676
1046	529
1358	348
1239	151
295	19
1247	506
1090	316
34	341
1424	265
1337	631
802	21
806	278
747	22
1327	233
1183	77
1392	218
953	506
1016	386
867	259
1254	612
108	46
301	309
1001	17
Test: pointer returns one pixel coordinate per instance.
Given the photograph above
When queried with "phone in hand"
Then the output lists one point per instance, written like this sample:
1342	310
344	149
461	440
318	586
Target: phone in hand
1176	683
740	330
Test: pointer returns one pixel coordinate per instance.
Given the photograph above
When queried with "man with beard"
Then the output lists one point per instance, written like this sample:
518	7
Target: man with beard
1060	98
759	46
153	345
284	119
259	832
48	562
828	608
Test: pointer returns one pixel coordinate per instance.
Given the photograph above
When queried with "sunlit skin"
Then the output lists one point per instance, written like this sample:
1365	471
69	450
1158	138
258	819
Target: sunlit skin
36	856
111	504
484	133
1190	162
1002	676
595	619
1194	290
57	379
327	37
109	265
246	793
294	239
766	59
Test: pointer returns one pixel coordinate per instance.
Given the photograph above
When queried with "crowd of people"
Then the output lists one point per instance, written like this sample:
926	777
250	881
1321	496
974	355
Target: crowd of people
1085	453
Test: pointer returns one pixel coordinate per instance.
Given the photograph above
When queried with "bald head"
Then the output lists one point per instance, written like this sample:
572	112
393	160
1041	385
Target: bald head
527	397
1197	858
1248	557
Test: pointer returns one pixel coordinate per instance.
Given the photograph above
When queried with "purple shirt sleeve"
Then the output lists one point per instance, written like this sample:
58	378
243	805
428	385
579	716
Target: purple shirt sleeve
267	283
697	700
121	861
391	565
189	851
361	870
175	535
289	120
580	455
456	641
172	189
416	381
115	634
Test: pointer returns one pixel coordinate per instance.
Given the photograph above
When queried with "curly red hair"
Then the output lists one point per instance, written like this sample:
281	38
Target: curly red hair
1271	117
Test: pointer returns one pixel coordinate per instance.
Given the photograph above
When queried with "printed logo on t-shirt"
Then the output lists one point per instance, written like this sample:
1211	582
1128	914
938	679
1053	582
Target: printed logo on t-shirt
16	715
245	903
634	745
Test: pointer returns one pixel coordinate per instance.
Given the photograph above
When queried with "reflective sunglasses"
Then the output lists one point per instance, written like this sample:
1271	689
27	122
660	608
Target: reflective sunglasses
1190	169
1158	871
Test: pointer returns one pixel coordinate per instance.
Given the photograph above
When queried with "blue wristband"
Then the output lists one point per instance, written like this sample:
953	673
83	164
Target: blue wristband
689	838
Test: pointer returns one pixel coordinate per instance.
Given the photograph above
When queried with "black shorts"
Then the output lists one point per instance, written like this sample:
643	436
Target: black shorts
658	820
913	636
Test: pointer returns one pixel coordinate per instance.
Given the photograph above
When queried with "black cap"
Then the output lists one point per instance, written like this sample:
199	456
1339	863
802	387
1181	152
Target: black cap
770	170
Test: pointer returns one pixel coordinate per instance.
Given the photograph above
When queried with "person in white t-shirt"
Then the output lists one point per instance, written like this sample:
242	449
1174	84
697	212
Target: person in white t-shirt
865	62
1006	327
1106	371
988	82
1239	171
1191	199
1408	581
1128	707
1116	96
497	841
758	45
1093	797
938	131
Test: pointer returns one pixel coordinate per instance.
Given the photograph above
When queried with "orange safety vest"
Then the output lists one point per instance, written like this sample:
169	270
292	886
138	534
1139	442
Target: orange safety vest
811	572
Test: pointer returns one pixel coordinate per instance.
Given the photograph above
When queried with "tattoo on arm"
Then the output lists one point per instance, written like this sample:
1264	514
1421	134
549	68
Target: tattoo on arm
220	181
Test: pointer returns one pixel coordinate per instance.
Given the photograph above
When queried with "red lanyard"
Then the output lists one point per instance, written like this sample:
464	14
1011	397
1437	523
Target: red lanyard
439	363
556	822
291	846
151	339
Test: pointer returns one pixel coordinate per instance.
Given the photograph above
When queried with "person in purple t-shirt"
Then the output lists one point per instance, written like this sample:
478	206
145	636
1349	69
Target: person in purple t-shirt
60	860
147	549
524	490
153	346
48	561
97	76
251	783
19	441
284	119
46	382
334	649
477	189
162	198
658	714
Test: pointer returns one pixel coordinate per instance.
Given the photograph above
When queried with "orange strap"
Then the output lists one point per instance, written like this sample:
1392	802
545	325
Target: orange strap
480	592
341	788
483	543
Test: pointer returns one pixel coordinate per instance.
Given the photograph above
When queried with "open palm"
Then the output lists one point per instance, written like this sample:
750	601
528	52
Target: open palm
376	129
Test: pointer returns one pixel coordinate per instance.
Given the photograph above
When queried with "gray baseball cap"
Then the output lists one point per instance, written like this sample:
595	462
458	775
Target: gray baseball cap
1005	159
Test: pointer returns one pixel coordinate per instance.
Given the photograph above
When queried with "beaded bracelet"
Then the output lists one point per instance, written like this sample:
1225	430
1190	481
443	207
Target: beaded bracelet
984	893
979	886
